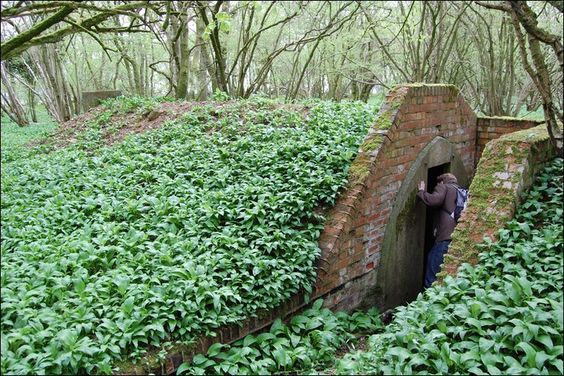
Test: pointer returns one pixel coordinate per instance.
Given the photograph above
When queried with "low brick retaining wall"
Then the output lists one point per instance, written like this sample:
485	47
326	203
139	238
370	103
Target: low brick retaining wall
507	169
492	127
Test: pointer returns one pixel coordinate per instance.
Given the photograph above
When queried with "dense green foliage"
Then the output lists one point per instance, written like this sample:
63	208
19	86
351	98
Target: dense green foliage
503	316
109	250
308	342
13	138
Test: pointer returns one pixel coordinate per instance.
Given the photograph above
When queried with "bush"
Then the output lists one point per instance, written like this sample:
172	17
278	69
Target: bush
308	342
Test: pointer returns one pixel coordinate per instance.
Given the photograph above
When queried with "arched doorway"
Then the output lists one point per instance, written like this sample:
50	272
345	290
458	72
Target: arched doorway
408	234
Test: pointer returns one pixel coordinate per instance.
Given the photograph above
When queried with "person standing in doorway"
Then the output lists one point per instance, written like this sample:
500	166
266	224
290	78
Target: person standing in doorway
444	198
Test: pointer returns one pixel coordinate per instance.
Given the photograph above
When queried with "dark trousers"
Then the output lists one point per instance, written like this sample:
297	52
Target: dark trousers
434	261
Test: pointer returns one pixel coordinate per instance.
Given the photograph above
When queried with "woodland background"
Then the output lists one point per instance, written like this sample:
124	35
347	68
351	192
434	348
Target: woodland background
506	57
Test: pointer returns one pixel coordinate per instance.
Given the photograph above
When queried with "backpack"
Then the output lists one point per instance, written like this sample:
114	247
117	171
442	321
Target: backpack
461	200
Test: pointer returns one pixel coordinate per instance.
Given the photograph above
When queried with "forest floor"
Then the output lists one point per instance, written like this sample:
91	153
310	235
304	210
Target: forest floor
120	124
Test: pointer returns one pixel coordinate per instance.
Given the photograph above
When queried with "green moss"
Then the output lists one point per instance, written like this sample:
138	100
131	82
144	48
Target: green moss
407	210
424	84
359	170
384	121
371	143
482	183
504	118
394	100
396	103
536	134
453	90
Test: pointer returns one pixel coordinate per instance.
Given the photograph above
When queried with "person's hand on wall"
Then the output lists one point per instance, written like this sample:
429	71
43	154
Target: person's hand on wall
421	185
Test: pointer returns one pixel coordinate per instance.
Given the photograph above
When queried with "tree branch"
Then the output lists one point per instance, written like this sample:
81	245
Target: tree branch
21	42
528	19
13	44
498	5
93	35
558	4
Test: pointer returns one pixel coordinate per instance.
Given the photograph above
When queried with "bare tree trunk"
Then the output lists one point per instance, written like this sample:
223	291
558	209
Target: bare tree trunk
152	76
31	105
53	88
203	60
11	105
300	78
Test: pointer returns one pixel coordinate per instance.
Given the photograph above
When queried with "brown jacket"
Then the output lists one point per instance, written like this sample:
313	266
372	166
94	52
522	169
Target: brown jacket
444	197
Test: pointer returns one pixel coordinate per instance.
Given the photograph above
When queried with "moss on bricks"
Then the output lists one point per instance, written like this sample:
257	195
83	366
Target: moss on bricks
371	143
384	121
423	84
386	117
396	102
359	170
531	135
509	118
389	109
491	204
452	89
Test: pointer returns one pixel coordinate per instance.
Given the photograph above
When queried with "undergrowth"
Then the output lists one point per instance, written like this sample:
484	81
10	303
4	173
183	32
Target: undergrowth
309	342
111	252
502	316
13	138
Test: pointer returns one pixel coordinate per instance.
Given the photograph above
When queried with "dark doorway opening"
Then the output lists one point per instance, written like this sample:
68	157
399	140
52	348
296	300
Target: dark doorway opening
432	175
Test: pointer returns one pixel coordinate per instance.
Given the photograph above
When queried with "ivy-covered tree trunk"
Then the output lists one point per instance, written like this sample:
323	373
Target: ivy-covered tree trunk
182	58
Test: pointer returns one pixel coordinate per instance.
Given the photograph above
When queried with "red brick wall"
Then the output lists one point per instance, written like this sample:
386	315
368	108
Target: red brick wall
490	128
352	239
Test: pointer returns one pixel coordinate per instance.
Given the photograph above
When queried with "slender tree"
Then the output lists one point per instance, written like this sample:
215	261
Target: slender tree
530	38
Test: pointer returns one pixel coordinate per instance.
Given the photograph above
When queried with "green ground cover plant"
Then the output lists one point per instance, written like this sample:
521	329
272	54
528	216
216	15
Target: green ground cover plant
503	316
308	342
14	138
110	251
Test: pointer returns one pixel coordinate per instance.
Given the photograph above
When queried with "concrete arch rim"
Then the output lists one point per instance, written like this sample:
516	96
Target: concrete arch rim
438	151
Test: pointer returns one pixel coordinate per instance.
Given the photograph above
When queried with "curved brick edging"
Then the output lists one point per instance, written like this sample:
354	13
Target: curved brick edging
225	334
507	169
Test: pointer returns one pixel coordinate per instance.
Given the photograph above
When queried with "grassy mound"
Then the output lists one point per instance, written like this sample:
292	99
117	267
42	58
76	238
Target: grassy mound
503	316
108	251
